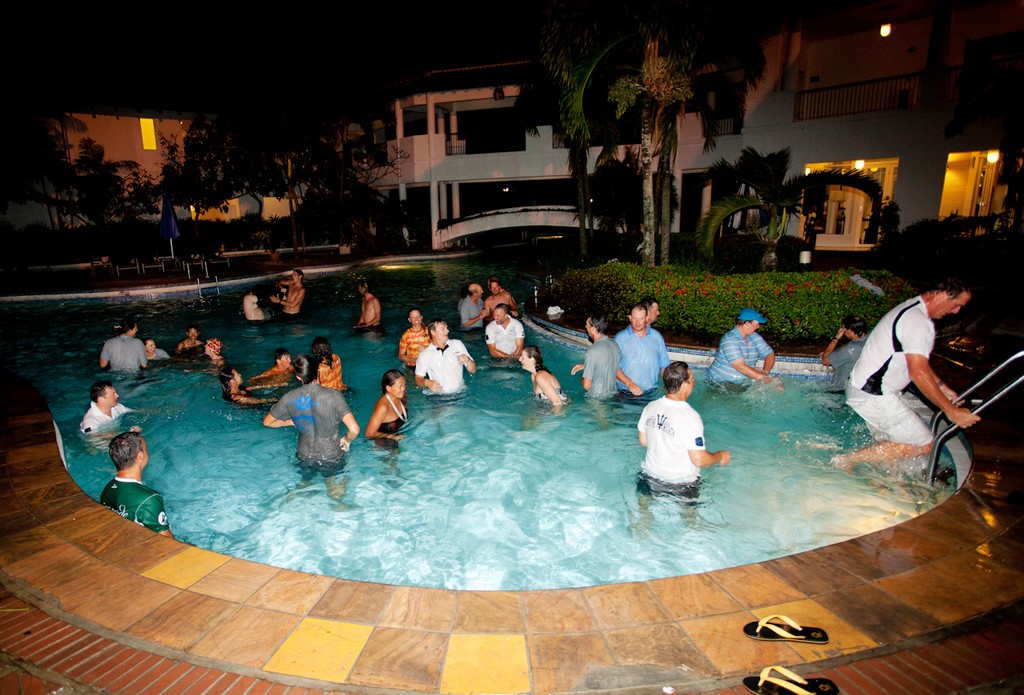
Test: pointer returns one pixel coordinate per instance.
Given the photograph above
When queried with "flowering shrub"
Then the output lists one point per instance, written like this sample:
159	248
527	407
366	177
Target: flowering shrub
800	307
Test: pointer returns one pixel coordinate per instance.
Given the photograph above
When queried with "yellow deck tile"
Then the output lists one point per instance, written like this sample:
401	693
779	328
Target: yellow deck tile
187	567
842	637
321	649
486	664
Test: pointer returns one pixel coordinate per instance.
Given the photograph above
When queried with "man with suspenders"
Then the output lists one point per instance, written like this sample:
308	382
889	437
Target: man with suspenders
896	354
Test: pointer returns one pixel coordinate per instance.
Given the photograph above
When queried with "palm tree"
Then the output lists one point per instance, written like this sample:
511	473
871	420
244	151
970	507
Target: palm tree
771	193
647	53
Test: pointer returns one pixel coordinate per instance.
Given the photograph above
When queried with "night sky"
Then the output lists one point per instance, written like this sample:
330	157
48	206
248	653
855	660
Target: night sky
167	59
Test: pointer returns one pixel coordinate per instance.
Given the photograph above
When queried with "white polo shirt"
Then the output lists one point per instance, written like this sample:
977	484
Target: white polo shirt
504	338
443	366
95	418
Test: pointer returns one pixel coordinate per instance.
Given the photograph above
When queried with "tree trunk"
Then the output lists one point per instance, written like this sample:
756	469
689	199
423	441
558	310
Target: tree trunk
292	208
665	207
770	259
647	176
582	197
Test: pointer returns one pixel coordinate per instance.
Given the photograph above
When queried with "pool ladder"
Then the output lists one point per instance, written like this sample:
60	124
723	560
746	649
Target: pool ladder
977	405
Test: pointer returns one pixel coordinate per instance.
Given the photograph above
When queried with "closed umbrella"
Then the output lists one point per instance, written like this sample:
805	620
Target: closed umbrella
168	222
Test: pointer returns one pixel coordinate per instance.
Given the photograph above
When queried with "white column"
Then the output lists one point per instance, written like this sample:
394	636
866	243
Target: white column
435	234
399	121
456	202
442	190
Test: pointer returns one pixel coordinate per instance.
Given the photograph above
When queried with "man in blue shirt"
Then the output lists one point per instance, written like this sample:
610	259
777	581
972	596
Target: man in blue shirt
644	355
739	351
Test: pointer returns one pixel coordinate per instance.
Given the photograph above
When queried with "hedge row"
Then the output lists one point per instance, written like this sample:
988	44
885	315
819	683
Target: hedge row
800	307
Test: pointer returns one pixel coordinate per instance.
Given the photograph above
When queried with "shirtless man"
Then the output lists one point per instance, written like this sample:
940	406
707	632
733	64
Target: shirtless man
370	315
280	374
191	344
251	307
499	295
296	293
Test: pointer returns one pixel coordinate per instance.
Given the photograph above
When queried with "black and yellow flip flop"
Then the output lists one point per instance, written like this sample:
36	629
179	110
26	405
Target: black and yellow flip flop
789	684
779	628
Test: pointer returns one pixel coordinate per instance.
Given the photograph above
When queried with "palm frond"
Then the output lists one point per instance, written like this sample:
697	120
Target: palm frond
719	211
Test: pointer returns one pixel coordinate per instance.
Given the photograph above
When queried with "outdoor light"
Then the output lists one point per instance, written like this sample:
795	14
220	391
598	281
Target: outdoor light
807	171
885	30
992	157
859	164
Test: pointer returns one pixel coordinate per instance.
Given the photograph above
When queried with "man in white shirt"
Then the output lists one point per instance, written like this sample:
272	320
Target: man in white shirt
896	353
104	408
440	364
504	335
673	433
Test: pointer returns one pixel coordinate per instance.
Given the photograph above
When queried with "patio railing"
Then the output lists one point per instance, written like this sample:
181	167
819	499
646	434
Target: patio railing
887	94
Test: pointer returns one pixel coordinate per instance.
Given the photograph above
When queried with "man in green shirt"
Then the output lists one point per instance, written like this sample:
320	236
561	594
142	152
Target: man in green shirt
126	494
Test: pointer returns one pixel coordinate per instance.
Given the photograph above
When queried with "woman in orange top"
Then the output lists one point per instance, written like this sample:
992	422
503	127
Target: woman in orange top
329	364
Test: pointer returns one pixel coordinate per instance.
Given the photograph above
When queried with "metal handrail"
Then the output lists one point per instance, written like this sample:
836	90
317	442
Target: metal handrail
947	433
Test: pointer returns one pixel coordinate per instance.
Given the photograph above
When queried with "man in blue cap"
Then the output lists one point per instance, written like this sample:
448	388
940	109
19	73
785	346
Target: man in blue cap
739	351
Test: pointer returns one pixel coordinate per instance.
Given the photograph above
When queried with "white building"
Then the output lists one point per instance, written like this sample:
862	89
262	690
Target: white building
836	92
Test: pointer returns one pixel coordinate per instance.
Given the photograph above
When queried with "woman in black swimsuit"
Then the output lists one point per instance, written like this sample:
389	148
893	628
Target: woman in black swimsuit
390	411
545	385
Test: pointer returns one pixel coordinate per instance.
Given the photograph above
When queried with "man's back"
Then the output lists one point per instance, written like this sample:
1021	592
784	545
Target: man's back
136	502
600	364
317	413
124	353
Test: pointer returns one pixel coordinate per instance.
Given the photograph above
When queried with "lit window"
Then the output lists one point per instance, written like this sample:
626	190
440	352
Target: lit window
148	133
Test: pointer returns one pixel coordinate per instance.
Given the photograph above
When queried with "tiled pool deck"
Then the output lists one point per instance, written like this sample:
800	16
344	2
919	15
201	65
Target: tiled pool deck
93	603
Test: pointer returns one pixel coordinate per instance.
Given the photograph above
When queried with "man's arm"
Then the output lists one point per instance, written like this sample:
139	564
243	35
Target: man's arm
629	383
350	423
751	372
495	352
769	362
271	421
938	393
103	363
703	459
519	347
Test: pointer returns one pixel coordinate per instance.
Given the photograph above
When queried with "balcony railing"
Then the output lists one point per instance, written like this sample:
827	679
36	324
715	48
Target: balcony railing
888	94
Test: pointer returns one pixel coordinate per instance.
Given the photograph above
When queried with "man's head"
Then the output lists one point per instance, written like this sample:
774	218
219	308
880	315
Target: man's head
128	449
306	370
282	357
653	310
494	284
597	325
297	276
501	314
438	331
128	326
948	296
749	320
363	287
192	332
105	390
473	290
150	346
638	319
677	376
416	318
856	325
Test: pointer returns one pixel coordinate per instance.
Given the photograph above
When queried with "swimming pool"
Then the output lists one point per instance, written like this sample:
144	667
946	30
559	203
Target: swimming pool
488	490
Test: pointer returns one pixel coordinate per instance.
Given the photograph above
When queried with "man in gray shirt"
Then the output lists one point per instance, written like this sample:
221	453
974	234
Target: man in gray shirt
124	352
855	330
601	362
316	412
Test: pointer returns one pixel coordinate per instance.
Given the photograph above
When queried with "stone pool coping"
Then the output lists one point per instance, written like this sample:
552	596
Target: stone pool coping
75	560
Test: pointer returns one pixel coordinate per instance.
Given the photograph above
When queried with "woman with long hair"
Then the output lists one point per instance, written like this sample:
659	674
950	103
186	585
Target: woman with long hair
390	412
328	364
232	391
545	385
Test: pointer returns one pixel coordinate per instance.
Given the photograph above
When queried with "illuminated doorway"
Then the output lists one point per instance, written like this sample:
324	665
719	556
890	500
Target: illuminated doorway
838	217
971	187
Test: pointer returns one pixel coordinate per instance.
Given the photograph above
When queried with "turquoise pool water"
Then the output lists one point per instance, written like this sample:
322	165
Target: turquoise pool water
488	490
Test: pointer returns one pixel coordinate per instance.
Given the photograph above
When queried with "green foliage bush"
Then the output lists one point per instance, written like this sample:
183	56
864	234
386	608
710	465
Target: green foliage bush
800	307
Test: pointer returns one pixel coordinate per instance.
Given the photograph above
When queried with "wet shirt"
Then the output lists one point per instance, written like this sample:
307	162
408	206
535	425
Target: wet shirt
124	353
136	502
600	365
673	429
642	358
317	413
733	347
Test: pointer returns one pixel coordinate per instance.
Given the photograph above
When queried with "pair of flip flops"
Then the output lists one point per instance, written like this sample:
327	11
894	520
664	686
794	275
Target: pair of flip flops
779	628
789	683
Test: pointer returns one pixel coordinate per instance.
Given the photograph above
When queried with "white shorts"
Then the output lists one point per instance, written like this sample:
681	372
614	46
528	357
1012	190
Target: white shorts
889	417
